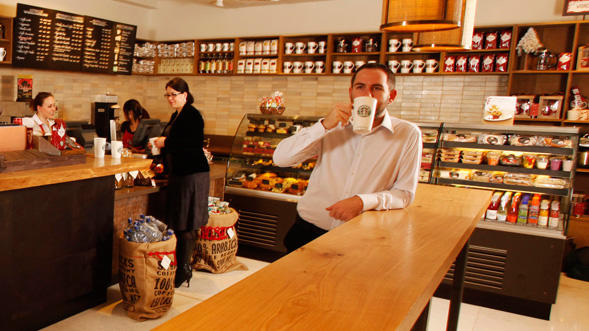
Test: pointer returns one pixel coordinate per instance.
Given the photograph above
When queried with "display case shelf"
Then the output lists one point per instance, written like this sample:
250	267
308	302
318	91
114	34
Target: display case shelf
533	149
507	187
522	170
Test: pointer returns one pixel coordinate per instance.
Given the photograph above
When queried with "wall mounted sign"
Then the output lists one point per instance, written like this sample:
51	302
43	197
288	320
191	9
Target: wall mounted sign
576	7
50	39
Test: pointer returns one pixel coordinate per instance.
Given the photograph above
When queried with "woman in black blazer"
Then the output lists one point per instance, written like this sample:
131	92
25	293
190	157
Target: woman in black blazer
188	174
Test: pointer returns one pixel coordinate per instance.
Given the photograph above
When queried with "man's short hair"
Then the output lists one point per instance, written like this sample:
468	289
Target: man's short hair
384	68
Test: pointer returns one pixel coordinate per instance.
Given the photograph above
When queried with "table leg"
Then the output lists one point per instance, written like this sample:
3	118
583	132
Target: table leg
421	323
457	289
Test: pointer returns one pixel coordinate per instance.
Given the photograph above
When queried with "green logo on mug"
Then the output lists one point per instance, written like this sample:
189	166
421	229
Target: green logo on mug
364	111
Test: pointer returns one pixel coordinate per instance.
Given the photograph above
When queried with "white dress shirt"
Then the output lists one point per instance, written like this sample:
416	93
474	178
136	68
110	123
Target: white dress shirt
40	128
381	167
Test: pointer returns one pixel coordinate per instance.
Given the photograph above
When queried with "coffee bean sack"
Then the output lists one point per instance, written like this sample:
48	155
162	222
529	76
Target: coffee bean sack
147	287
216	245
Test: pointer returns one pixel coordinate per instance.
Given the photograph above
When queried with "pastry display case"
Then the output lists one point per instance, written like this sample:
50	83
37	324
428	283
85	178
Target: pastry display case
265	195
430	135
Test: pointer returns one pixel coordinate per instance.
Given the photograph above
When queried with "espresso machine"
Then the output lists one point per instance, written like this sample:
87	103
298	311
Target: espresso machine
102	114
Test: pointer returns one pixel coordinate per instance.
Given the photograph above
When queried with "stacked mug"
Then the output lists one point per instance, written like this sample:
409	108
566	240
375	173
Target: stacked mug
301	47
416	66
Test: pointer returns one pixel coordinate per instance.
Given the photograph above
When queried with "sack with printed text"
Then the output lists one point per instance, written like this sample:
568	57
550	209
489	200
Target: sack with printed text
146	277
216	245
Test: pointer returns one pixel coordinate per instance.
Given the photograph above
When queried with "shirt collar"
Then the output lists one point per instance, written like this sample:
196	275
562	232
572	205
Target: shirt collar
388	122
39	122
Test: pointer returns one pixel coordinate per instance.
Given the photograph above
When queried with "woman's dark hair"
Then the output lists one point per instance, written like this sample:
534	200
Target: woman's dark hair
39	99
133	106
181	86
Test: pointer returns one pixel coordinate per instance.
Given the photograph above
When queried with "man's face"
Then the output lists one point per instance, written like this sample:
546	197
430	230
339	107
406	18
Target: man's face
373	83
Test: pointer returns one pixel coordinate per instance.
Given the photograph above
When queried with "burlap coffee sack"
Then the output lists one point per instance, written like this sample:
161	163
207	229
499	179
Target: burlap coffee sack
146	286
216	245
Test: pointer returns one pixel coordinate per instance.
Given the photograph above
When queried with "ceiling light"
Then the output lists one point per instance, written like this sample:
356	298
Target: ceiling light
424	15
219	3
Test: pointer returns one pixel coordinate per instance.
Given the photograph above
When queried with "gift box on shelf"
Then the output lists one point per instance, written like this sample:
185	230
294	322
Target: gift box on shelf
550	106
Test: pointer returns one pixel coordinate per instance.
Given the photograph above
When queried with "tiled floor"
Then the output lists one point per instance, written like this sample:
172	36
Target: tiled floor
570	312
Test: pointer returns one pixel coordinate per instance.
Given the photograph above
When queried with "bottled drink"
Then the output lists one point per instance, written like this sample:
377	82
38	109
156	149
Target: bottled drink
522	216
493	206
503	206
544	211
554	219
534	210
513	210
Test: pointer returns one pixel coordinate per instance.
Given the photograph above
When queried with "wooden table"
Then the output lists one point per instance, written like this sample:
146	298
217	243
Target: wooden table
376	272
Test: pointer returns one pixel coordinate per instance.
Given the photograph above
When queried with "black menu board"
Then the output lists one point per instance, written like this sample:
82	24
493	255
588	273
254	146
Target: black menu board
51	39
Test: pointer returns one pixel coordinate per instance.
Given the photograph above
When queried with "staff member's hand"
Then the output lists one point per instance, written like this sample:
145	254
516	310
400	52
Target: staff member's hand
345	210
159	142
340	114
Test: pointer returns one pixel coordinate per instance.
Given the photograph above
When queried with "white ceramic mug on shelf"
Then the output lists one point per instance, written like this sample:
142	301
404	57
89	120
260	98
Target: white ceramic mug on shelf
394	65
321	47
394	45
418	66
406	66
407	44
300	47
288	48
287	67
309	66
337	67
312	47
319	67
348	67
297	67
431	65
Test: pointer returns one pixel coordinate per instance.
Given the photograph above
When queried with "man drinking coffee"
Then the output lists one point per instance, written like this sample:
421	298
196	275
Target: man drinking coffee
377	170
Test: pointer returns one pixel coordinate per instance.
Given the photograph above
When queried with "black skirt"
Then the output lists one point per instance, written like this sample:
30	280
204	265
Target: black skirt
187	201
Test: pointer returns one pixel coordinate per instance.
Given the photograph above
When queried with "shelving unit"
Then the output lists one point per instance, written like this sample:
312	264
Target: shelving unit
6	38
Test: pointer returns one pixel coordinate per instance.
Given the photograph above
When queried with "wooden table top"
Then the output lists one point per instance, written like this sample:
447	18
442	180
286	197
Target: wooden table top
376	272
91	169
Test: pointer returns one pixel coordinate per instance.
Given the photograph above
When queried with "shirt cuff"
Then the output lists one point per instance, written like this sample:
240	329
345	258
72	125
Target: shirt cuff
369	201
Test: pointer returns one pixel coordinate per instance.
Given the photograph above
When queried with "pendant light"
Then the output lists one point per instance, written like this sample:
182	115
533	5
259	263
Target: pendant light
441	24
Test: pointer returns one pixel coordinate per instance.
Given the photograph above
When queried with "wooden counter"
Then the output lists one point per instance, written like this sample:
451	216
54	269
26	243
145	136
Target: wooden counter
91	169
56	232
376	272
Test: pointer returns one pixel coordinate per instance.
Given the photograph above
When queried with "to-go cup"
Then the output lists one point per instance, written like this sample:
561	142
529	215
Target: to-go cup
363	114
99	147
116	148
154	149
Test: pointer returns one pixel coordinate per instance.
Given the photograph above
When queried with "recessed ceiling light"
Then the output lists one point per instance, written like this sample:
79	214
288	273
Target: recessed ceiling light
219	3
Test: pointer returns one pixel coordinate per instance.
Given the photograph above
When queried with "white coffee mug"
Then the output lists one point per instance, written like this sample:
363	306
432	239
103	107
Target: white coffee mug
2	53
225	47
257	66
319	67
394	65
297	67
287	67
358	64
116	149
312	47
337	67
321	47
241	66
418	66
266	47
249	66
407	44
288	48
265	66
300	47
309	66
154	149
394	45
258	48
363	114
272	68
348	67
99	147
406	66
210	47
243	48
251	47
218	47
203	48
431	65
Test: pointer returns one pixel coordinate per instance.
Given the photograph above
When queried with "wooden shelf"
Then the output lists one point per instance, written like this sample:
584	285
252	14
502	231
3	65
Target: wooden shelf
582	170
584	218
358	54
538	119
536	72
475	73
575	121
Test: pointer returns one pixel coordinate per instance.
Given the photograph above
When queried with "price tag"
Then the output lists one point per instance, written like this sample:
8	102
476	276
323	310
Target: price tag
165	262
230	233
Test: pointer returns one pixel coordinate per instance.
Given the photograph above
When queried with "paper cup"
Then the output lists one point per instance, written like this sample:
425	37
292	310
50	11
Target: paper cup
99	147
116	148
363	114
154	150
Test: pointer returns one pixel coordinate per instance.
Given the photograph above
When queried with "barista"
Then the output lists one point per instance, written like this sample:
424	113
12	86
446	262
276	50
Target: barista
44	119
134	113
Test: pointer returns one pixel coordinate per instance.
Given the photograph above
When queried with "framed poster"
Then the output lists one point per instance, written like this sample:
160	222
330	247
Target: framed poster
575	7
24	88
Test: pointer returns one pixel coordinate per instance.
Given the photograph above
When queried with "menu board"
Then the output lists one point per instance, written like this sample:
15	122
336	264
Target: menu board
51	39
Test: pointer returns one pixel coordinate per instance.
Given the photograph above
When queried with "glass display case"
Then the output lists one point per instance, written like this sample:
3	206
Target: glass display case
265	195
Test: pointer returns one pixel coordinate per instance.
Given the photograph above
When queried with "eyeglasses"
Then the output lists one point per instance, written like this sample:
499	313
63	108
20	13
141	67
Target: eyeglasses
175	94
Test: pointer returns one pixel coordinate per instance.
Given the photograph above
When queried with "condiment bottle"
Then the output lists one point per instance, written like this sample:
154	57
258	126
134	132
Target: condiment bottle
503	206
534	210
522	216
544	211
493	206
554	214
513	208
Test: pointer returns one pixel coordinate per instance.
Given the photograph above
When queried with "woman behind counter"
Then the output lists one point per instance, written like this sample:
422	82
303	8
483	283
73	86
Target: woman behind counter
44	107
134	113
188	174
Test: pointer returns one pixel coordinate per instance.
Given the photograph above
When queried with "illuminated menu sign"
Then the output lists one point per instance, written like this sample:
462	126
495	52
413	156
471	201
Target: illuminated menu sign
50	39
